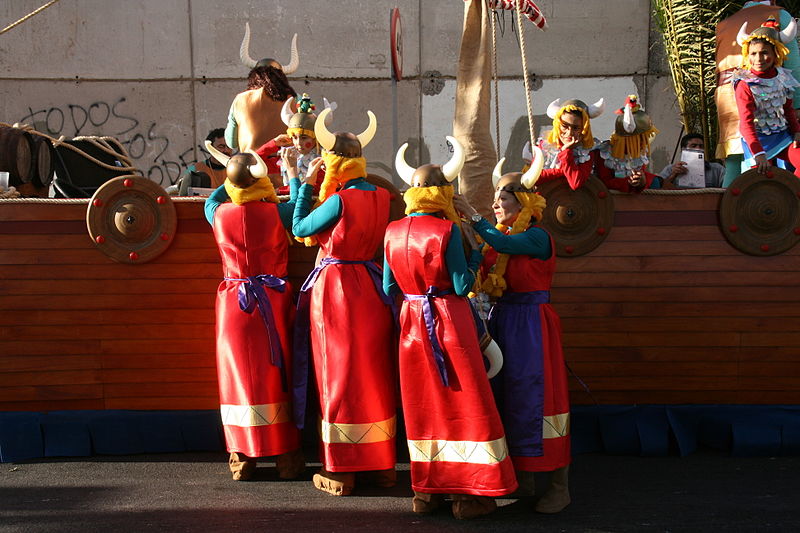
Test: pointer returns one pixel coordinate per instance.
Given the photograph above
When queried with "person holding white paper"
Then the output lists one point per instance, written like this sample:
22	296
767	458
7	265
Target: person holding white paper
674	175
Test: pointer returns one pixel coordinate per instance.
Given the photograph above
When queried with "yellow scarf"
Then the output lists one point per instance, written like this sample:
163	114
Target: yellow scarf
532	206
587	139
262	189
431	200
338	171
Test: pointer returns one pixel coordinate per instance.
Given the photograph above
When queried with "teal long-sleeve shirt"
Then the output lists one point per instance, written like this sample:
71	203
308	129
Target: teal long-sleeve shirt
534	241
285	210
462	270
306	222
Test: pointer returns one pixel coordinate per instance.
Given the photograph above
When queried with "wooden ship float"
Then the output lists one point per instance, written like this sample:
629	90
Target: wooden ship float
679	311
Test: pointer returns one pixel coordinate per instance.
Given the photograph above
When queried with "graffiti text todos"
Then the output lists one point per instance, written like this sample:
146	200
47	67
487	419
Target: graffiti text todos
150	151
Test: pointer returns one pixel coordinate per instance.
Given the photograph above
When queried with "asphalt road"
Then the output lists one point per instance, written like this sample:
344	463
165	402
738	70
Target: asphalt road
705	492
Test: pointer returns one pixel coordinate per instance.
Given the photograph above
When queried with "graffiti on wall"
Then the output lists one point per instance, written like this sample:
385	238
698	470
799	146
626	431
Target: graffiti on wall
149	147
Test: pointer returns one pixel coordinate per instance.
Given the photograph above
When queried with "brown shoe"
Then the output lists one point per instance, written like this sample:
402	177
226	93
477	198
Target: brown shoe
467	506
336	483
290	464
379	478
527	485
557	495
424	503
242	467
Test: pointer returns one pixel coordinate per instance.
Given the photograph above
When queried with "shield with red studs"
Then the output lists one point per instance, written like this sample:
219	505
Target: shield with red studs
578	220
760	214
131	220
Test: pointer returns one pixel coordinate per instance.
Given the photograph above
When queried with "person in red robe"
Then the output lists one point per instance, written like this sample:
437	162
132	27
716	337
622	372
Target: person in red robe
531	390
349	317
455	437
254	318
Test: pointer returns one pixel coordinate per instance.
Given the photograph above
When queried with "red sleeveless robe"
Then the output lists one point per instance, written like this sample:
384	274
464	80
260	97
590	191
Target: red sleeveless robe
352	335
455	437
256	410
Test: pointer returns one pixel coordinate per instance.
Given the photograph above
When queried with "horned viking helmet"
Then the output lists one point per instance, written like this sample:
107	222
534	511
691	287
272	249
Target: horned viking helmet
343	143
249	62
594	110
431	175
239	164
517	181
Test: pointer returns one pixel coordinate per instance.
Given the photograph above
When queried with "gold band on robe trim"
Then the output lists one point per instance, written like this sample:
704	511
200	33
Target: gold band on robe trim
555	426
255	415
338	433
465	451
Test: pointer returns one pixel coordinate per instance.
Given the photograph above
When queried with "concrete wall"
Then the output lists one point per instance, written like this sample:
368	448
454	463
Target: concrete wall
159	74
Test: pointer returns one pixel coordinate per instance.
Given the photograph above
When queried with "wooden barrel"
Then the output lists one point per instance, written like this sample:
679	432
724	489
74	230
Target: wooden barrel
43	157
15	155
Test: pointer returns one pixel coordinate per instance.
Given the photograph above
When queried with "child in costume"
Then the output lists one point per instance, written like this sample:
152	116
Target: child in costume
254	318
299	139
624	158
349	317
443	381
764	90
531	389
568	149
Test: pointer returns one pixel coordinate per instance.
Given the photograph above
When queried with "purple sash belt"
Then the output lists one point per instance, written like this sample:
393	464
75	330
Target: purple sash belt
302	330
251	295
429	313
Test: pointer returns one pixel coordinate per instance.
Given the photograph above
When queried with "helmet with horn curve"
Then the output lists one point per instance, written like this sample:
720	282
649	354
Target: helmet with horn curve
431	175
631	119
240	167
249	62
344	144
517	181
770	32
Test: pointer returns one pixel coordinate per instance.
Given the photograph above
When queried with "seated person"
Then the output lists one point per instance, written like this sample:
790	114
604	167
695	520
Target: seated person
624	158
210	168
568	146
667	178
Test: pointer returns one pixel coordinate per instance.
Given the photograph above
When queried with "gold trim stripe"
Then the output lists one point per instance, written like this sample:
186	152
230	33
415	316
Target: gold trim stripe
339	433
555	426
255	415
465	451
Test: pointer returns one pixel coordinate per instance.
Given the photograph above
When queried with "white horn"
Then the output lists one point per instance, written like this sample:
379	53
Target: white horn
366	136
325	138
527	155
244	50
789	32
627	120
494	355
553	108
497	173
452	168
286	110
259	168
530	177
294	62
329	105
596	109
216	154
404	170
742	35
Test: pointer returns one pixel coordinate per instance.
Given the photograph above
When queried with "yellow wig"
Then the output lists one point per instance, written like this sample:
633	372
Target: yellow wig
431	200
587	139
781	52
631	146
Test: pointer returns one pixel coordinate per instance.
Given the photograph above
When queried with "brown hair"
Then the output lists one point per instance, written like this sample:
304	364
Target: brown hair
273	81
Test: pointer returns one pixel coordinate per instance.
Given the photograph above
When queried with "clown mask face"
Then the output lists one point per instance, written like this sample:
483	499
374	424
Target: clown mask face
303	143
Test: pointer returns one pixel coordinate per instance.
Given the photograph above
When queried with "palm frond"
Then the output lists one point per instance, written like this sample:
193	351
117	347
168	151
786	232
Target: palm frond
689	31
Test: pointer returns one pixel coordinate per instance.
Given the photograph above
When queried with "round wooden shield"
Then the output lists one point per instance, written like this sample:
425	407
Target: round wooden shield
578	220
131	220
760	215
397	206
